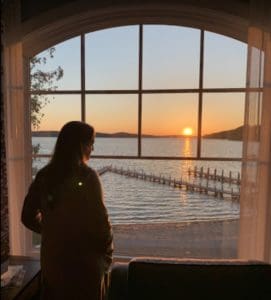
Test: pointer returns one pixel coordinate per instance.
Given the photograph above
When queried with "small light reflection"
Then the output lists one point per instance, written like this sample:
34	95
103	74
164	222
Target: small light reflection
186	164
187	149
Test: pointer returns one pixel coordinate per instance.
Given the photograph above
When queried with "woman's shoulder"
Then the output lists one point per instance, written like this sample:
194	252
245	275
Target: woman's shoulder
89	173
43	172
89	178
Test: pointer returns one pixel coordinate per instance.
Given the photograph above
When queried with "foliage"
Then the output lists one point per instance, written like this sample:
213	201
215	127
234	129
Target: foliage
42	80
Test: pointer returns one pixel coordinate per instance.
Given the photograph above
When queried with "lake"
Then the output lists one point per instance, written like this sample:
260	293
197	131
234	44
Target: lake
131	200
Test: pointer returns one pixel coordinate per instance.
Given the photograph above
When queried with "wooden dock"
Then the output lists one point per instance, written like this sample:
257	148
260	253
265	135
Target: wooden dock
199	187
201	173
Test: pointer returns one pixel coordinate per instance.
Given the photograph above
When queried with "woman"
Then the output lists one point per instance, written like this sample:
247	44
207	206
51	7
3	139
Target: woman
65	204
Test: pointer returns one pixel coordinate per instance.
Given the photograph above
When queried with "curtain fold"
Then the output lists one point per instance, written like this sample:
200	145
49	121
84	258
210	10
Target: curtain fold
255	203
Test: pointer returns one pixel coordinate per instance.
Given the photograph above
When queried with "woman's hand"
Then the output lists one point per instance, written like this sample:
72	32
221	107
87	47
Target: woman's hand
39	216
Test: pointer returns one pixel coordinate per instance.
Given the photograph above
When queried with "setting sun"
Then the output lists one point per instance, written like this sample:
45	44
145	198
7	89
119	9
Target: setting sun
188	131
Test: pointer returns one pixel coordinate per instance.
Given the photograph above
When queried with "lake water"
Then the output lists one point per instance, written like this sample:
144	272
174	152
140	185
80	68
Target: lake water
131	200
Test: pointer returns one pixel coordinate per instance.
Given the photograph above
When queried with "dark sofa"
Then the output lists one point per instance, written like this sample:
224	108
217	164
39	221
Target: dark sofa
154	278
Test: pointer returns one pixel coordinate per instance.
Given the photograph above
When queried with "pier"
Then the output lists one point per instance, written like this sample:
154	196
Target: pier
198	187
201	173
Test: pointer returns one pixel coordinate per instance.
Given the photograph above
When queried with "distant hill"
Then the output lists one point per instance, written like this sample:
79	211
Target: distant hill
98	134
233	134
54	133
45	133
119	135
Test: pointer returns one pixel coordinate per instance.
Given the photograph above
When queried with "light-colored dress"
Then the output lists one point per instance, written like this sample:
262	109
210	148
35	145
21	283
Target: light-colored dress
76	248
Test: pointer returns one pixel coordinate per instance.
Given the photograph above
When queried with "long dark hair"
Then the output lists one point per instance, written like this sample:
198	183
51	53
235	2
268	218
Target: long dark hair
67	161
68	152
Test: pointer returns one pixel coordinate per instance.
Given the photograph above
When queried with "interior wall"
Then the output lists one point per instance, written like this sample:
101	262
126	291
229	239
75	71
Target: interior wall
33	8
57	21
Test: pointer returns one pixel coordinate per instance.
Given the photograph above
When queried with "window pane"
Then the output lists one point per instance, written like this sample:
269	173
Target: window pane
170	57
167	116
112	58
223	120
225	61
113	114
146	215
55	112
66	57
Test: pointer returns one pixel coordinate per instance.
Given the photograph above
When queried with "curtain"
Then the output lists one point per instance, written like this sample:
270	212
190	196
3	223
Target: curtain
17	122
4	189
255	202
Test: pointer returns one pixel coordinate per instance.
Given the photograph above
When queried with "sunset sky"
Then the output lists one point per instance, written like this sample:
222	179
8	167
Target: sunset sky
170	60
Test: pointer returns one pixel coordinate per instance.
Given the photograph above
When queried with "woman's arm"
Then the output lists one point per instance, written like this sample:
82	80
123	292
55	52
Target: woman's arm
103	227
31	213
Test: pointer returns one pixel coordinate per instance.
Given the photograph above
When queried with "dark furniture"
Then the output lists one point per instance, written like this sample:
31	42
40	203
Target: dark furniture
149	278
154	278
30	288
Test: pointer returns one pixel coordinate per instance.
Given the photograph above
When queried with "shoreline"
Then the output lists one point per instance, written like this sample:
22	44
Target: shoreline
173	222
196	239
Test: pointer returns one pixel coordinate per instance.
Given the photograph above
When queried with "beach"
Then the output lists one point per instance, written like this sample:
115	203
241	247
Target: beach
207	239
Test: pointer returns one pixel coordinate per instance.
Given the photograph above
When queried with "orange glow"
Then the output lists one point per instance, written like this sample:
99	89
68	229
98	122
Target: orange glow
187	131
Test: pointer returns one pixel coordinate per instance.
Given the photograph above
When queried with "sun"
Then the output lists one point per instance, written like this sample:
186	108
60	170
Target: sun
187	131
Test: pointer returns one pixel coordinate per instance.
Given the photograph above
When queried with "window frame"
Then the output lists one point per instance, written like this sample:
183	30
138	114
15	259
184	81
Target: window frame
140	92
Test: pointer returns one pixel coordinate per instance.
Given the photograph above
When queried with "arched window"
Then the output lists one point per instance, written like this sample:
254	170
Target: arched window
167	103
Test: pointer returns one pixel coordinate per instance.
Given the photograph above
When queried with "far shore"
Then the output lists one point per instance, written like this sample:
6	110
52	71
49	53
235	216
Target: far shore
207	239
110	135
235	135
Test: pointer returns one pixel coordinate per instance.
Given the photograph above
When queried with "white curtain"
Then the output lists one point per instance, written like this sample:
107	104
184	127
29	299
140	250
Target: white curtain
255	203
17	124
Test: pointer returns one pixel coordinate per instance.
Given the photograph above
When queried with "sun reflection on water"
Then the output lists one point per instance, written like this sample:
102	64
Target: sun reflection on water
187	149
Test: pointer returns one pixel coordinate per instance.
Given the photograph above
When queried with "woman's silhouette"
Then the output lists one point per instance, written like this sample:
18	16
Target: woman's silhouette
65	204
